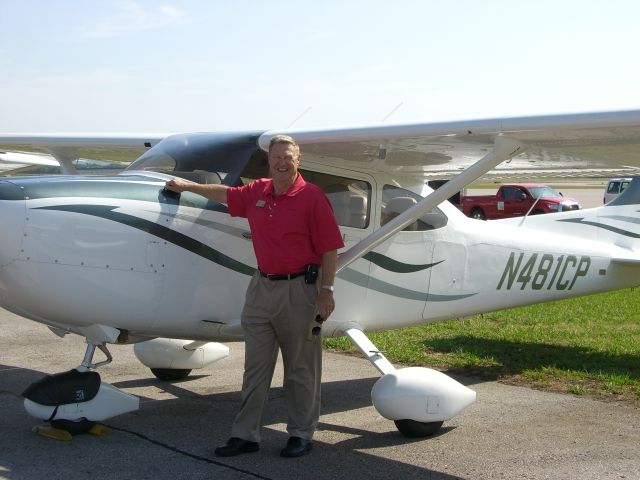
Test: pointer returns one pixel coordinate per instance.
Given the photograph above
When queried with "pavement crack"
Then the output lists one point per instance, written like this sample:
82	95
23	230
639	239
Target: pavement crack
188	454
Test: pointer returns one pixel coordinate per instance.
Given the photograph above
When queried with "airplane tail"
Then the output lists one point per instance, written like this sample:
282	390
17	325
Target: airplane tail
620	219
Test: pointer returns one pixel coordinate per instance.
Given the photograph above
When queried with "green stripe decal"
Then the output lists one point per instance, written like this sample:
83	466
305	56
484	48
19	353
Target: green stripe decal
107	212
363	280
623	218
395	266
619	231
177	238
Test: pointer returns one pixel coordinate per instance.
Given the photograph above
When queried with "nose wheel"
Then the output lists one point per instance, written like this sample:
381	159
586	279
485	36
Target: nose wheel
75	400
76	427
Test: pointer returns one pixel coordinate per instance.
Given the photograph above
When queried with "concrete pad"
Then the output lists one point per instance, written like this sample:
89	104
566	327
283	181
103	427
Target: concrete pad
510	432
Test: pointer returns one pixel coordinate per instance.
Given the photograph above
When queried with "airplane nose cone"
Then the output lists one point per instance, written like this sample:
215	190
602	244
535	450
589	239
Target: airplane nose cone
12	218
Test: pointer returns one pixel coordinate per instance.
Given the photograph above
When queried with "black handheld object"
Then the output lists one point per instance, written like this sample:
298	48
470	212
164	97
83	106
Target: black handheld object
311	274
318	328
169	195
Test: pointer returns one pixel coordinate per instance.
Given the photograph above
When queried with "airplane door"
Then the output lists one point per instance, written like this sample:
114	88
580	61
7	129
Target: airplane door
400	276
401	267
447	282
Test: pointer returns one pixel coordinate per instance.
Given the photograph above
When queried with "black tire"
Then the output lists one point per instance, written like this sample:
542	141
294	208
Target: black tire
478	214
537	212
415	429
74	427
171	374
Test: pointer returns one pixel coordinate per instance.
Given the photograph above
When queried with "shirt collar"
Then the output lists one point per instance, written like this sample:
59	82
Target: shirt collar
298	184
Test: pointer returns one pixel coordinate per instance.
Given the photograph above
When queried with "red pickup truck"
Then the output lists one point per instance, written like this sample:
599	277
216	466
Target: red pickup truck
516	200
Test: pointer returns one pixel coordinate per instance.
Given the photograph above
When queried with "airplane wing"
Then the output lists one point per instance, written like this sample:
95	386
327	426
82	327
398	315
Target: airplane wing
62	149
573	145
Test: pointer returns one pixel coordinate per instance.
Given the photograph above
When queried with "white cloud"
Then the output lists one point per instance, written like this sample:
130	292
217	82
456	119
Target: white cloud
131	17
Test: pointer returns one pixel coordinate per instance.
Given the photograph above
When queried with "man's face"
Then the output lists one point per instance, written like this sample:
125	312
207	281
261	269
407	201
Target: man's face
284	160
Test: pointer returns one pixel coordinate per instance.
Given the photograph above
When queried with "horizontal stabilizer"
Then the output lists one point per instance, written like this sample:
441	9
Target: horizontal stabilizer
631	259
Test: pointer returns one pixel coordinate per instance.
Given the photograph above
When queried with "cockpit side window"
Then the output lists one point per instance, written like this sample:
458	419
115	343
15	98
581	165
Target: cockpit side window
349	197
256	167
396	200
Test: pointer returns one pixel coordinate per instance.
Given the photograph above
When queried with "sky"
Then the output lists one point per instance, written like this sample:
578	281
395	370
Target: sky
169	66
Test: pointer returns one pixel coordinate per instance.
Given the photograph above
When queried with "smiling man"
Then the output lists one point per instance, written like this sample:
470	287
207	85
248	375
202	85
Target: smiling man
296	239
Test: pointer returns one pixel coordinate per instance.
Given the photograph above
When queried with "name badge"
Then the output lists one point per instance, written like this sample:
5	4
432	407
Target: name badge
260	203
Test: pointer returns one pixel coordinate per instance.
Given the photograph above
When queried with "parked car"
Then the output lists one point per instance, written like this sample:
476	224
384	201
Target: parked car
615	187
515	200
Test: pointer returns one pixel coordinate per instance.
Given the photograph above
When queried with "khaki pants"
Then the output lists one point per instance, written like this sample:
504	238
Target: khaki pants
280	314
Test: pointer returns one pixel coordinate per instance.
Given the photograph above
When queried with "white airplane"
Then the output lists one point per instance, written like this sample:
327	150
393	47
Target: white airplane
120	260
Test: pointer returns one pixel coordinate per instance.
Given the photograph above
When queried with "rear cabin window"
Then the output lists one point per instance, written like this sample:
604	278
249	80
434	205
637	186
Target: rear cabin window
396	200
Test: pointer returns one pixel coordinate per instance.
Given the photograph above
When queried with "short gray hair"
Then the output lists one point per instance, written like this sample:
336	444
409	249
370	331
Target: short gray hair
284	139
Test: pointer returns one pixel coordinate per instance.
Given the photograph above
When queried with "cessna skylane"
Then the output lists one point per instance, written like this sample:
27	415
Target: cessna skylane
121	260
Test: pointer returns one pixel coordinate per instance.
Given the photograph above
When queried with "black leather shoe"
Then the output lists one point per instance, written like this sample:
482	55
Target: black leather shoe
296	447
236	446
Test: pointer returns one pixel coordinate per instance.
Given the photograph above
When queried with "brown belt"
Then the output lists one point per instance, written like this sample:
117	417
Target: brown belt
282	276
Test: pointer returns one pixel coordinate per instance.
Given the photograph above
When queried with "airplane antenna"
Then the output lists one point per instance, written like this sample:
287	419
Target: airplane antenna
299	117
393	110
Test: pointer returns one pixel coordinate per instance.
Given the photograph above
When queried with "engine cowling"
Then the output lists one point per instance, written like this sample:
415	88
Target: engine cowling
13	218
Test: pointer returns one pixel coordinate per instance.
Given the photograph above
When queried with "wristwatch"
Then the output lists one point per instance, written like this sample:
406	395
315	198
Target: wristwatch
328	287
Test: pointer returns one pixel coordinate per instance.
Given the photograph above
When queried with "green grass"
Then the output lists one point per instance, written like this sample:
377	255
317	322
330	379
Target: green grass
584	346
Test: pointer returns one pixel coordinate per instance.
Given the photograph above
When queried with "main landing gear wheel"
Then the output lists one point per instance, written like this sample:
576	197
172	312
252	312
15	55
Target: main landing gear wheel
413	428
74	427
171	374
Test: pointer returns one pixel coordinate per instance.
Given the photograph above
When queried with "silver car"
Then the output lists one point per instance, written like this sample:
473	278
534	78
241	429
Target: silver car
615	187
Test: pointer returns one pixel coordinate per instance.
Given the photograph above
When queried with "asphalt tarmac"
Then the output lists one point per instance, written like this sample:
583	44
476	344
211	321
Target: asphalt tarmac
509	433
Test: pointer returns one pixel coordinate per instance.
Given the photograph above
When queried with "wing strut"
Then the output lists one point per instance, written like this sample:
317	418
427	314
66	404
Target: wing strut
369	350
65	159
503	149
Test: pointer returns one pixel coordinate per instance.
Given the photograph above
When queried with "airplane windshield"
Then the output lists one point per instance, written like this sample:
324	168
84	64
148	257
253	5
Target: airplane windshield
544	192
201	157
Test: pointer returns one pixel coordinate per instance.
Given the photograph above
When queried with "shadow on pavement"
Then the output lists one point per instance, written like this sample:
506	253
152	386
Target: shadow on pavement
175	437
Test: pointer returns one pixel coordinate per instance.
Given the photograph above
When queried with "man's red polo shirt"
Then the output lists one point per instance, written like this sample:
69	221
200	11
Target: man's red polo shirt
289	231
